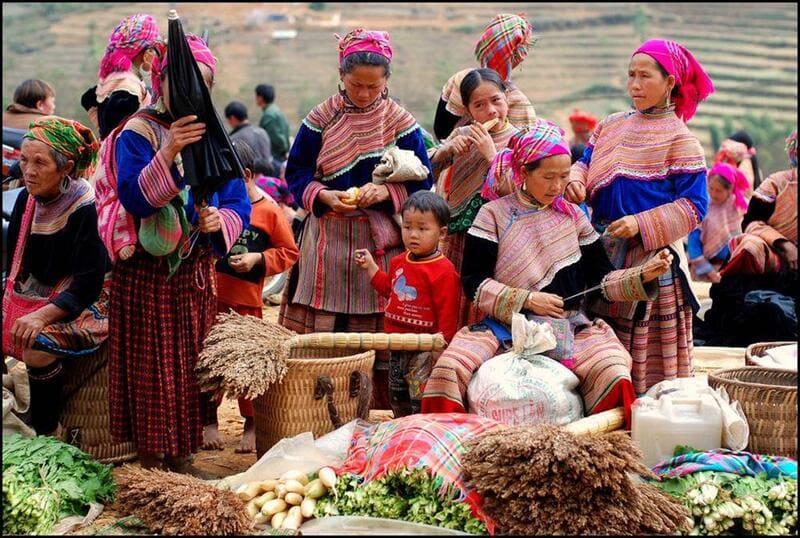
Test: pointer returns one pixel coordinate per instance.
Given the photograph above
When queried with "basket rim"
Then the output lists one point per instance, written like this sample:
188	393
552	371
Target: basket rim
361	355
716	375
768	345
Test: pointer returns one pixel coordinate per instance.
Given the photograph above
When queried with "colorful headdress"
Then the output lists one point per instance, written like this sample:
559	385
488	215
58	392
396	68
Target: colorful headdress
131	36
733	152
361	40
200	52
694	85
791	149
70	138
542	139
735	178
582	121
504	44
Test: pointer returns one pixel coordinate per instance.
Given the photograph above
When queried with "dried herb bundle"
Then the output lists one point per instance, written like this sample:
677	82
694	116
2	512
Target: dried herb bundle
176	504
242	356
545	480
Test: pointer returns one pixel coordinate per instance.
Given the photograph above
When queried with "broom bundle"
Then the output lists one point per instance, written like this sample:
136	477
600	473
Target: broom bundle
545	480
243	356
176	504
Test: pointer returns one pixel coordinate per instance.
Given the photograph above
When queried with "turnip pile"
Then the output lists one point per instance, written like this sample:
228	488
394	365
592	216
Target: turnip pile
176	504
544	480
242	356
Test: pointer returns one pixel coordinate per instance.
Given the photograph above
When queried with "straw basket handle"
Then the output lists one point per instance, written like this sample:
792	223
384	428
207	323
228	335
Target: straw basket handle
359	387
370	341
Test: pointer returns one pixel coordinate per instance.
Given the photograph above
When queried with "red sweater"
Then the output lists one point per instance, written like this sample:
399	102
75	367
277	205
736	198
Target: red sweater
423	295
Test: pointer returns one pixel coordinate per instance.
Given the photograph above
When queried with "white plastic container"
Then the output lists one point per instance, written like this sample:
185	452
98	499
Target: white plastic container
658	426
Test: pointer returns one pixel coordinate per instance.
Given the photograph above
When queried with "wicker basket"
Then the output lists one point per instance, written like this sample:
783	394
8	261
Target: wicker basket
768	397
758	349
86	413
328	383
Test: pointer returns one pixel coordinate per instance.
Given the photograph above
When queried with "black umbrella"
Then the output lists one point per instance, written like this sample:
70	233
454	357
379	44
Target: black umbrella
211	161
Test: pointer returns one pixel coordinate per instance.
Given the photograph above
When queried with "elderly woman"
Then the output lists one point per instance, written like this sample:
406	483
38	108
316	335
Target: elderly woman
502	46
644	176
55	300
120	90
769	242
534	253
163	298
337	147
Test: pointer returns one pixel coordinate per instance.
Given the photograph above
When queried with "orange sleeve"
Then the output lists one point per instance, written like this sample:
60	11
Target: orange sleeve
284	252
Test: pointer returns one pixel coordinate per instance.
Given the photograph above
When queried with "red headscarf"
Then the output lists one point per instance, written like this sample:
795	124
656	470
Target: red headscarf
694	85
361	40
735	178
582	121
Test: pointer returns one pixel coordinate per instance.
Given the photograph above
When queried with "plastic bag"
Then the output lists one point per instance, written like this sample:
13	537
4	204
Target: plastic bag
735	429
523	387
370	526
16	399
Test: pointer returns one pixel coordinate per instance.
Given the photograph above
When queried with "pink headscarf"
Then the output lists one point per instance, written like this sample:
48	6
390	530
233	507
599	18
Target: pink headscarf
200	52
735	178
131	36
693	83
542	139
361	40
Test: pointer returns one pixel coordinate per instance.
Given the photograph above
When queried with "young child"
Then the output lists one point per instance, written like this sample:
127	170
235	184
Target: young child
266	248
424	291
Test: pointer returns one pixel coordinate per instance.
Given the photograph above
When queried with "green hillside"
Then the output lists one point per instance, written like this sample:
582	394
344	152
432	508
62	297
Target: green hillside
750	51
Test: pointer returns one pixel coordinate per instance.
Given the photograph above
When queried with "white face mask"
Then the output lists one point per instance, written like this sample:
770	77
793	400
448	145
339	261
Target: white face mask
141	73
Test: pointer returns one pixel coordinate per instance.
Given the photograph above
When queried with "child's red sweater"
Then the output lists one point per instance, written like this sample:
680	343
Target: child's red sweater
423	295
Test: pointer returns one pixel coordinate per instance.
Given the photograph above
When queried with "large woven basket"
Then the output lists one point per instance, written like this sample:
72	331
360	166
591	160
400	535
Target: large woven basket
768	397
328	383
758	349
86	414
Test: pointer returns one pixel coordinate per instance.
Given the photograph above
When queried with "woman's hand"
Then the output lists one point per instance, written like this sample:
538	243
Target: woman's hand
242	263
372	194
333	199
545	304
623	228
26	329
182	132
575	192
789	252
482	140
656	266
208	219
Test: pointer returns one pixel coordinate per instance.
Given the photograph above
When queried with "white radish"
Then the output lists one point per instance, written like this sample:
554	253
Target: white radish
277	520
268	485
315	489
300	476
293	519
274	506
307	507
328	477
261	519
293	486
261	499
247	491
251	509
293	498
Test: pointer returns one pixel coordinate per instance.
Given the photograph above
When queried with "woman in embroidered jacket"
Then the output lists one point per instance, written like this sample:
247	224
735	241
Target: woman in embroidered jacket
59	261
163	298
337	147
502	46
708	243
769	241
565	257
644	175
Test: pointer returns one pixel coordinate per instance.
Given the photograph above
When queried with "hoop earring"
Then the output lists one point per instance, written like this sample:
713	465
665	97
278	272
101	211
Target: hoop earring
63	187
385	93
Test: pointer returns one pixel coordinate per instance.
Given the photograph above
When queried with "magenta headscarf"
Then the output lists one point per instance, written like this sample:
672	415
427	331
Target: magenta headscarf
361	40
131	36
735	178
693	83
200	52
542	139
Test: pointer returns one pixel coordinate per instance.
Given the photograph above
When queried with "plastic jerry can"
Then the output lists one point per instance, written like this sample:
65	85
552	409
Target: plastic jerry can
658	426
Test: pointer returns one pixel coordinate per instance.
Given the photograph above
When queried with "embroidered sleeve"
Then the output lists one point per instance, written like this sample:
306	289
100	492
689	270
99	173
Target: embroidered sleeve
764	231
312	190
301	166
234	211
626	285
499	301
665	224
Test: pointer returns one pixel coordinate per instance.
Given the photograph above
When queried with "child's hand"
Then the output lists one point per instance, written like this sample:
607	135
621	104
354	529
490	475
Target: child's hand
482	140
365	261
242	263
126	252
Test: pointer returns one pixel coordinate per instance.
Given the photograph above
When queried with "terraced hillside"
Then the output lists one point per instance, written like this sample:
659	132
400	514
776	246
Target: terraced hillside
580	60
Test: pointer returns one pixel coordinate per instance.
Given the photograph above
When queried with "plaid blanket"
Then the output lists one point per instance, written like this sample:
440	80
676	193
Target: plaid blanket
433	441
727	461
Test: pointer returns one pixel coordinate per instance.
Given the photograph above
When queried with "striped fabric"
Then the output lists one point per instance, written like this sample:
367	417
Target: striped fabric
727	461
722	222
453	249
626	285
504	43
520	110
639	147
350	134
500	301
51	217
123	81
516	225
665	224
781	188
434	442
